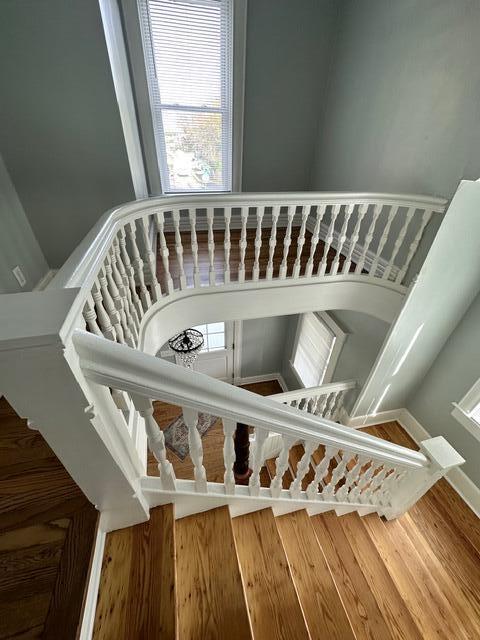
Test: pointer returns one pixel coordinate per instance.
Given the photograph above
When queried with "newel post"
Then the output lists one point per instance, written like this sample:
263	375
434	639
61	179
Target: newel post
442	458
241	470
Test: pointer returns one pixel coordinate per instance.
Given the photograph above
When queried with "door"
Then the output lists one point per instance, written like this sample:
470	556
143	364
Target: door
216	357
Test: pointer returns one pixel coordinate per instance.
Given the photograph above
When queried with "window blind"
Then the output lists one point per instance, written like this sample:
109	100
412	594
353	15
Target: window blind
314	348
188	57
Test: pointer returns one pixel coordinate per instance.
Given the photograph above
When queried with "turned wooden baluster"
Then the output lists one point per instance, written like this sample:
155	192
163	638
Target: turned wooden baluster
229	427
351	477
281	466
254	483
363	481
300	242
427	214
195	445
377	209
347	214
389	484
118	301
164	252
130	271
241	469
227	245
338	405
179	247
258	244
322	268
156	442
398	243
370	495
321	405
273	241
287	241
314	240
137	263
156	292
242	243
330	408
302	469
391	215
119	268
321	471
104	320
192	214
361	211
90	316
211	247
329	491
110	305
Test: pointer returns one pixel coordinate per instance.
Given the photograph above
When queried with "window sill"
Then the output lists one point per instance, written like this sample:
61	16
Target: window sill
466	421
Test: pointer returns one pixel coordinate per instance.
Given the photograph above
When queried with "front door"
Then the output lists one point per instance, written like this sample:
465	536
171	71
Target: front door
216	357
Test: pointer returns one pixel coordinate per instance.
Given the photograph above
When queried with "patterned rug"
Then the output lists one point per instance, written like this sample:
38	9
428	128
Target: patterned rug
176	435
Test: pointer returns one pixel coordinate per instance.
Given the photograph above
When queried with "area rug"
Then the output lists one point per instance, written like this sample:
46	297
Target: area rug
176	434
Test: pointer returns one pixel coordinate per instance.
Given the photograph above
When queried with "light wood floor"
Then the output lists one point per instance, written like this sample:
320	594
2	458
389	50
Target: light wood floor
47	529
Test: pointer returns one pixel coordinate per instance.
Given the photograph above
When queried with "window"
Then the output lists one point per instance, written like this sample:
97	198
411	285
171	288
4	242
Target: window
317	346
467	411
188	49
213	335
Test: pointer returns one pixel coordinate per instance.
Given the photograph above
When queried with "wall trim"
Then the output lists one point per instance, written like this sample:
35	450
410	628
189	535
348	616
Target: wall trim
44	280
266	377
90	605
457	478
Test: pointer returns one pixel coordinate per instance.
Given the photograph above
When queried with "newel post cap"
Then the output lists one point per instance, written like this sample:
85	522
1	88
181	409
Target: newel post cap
441	453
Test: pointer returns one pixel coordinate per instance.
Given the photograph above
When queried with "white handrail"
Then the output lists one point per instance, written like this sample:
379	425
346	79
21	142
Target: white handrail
311	392
120	367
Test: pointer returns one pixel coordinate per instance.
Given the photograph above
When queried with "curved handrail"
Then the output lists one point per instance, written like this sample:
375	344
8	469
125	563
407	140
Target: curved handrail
117	366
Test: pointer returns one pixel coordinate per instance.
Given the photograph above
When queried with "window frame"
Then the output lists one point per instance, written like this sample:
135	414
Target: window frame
462	410
207	333
130	11
340	337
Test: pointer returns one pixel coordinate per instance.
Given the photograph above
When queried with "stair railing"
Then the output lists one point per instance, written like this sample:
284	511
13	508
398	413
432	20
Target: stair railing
325	400
355	471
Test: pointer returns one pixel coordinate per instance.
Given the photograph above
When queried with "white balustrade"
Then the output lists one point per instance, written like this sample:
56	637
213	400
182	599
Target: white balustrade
190	417
194	244
334	211
242	245
272	242
287	241
211	247
227	246
258	460
137	264
427	214
179	247
258	244
164	251
314	239
229	427
377	209
300	242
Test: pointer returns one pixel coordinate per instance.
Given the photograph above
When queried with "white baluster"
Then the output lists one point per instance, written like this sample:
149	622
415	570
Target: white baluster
391	215
122	277
150	262
321	470
351	477
321	405
211	247
258	244
369	496
302	469
229	427
118	301
329	491
281	466
347	214
273	241
368	239
362	482
164	252
110	305
91	317
330	408
137	263
179	247
314	240
300	242
156	442
242	244
322	268
427	214
130	271
193	239
390	483
287	241
361	211
258	446
227	245
104	320
398	243
195	445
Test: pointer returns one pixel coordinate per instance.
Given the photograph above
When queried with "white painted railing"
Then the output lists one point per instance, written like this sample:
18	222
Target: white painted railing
325	401
356	471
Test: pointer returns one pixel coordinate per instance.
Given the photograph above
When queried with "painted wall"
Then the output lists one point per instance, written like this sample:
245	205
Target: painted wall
263	345
289	46
453	373
18	245
404	99
63	141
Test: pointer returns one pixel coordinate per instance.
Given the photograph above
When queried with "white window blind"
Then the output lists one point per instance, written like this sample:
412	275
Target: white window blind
313	351
188	56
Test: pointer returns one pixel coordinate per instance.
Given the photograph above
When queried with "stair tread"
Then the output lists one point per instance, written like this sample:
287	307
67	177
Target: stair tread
275	611
320	600
137	584
210	596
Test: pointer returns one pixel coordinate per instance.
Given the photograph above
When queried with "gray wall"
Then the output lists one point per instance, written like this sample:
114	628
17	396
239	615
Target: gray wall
61	137
404	99
263	345
18	245
453	373
287	62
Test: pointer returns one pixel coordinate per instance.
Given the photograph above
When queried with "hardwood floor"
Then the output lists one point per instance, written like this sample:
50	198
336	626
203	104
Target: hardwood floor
47	530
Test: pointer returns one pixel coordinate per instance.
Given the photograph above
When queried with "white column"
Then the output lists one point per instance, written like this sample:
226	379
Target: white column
287	241
258	243
281	466
211	247
179	247
227	245
361	211
377	209
164	252
190	417
343	237
314	239
242	244
300	242
229	427
273	241
258	445
302	469
328	240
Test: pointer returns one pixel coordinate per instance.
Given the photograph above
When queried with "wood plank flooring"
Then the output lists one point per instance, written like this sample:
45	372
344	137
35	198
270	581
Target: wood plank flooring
47	530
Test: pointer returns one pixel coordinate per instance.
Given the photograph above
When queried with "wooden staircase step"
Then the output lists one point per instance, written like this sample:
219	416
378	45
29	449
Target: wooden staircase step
275	610
320	600
287	478
210	596
137	584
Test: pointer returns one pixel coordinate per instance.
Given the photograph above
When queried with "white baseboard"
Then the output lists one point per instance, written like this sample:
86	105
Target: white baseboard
466	489
88	619
263	378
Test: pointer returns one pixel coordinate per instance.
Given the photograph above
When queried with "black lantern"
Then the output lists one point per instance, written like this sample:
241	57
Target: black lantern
186	345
